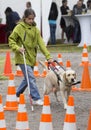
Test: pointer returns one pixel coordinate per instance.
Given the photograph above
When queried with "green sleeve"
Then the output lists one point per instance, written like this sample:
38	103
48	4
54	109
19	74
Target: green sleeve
13	42
42	46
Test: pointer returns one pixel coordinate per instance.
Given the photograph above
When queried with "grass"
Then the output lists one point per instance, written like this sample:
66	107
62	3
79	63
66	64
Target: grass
59	47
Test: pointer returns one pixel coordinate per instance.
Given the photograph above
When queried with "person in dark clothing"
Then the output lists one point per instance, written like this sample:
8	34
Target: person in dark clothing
12	18
77	9
64	11
89	5
53	14
83	5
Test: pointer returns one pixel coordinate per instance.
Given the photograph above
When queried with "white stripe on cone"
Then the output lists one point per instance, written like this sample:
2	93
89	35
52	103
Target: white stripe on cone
46	110
84	58
45	126
2	124
35	68
84	50
1	108
22	125
69	126
21	108
11	98
70	110
11	83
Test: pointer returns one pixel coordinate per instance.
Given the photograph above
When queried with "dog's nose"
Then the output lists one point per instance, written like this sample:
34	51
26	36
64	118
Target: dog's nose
72	80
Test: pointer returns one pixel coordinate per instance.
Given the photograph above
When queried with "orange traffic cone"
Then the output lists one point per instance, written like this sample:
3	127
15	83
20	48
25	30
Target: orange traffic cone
18	72
60	59
44	73
2	120
11	99
7	67
89	122
68	65
46	117
85	83
22	117
36	71
70	118
85	56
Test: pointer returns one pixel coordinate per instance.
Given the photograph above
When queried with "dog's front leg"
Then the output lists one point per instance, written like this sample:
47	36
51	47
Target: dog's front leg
68	93
64	99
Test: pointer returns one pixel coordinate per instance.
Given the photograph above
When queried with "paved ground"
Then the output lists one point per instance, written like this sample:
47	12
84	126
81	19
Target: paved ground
82	99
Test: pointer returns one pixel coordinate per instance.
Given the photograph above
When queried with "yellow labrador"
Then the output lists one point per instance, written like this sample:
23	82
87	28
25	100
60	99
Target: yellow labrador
59	81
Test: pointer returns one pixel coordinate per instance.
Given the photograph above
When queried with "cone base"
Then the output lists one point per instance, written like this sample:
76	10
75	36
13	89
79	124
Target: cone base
42	76
2	128
7	74
81	89
37	75
82	64
18	75
10	108
74	89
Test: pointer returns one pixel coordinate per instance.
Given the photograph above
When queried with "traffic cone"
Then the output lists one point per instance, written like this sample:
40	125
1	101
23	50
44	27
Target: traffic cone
36	71
89	122
2	119
44	73
18	72
46	117
11	99
85	56
85	83
70	118
7	66
68	65
22	117
59	57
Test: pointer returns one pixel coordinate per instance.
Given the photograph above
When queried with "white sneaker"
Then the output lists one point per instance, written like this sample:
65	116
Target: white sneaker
38	102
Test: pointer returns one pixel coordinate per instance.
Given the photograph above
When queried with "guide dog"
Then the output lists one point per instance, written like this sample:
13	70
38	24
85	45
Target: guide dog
59	80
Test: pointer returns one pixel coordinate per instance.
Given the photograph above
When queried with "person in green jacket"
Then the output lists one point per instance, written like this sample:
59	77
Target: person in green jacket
26	34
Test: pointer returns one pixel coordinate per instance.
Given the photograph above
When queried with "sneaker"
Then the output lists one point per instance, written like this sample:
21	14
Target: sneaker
38	102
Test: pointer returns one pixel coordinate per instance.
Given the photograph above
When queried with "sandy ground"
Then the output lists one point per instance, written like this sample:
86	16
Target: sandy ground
82	99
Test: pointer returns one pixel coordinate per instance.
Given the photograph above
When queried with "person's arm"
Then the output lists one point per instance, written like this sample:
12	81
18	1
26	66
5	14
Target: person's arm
42	46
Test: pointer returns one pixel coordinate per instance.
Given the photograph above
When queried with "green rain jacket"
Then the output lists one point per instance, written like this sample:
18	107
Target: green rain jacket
30	38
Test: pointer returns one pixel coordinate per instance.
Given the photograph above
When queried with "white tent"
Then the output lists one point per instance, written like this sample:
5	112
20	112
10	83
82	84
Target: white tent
41	8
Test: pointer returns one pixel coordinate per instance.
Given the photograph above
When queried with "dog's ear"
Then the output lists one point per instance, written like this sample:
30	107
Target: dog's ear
75	75
64	76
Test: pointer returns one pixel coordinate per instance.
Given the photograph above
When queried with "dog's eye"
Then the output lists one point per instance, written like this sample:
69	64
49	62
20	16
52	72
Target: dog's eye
73	74
68	74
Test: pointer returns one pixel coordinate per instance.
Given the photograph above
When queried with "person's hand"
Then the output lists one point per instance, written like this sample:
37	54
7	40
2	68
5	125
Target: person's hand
22	50
50	60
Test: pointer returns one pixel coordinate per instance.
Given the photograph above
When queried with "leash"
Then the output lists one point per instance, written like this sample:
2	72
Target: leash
52	66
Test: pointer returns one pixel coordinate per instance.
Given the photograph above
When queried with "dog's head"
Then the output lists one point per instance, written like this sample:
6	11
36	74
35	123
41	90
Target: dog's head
69	76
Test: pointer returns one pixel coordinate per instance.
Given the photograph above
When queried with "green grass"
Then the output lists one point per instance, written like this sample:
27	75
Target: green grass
59	47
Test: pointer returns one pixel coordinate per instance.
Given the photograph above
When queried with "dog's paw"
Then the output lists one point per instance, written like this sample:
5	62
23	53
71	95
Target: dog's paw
65	106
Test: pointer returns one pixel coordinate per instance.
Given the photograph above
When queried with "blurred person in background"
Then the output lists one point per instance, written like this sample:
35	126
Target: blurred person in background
89	5
28	5
64	11
77	9
12	18
52	18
